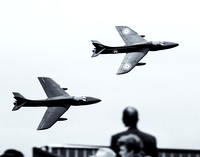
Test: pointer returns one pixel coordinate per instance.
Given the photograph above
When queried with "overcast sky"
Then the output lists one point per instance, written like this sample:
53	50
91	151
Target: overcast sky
53	39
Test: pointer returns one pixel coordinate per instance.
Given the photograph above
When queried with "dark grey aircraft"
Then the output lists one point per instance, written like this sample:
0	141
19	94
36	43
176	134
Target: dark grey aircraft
136	48
57	103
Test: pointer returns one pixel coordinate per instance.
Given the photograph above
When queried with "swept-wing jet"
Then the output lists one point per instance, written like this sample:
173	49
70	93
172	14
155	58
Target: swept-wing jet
136	48
57	103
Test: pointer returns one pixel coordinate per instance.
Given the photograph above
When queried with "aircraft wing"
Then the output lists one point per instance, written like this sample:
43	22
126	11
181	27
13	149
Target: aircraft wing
129	36
51	116
131	60
51	88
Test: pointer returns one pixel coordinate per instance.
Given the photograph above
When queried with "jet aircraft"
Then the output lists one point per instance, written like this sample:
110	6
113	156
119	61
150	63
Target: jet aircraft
136	48
57	103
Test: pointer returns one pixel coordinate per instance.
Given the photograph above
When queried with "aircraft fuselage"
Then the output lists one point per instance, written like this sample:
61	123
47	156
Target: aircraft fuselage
151	46
61	101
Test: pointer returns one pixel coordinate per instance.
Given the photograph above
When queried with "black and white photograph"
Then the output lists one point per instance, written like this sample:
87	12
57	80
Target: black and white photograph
99	78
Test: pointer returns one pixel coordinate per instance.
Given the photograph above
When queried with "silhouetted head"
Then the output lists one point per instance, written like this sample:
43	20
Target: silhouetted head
12	153
130	142
130	117
104	152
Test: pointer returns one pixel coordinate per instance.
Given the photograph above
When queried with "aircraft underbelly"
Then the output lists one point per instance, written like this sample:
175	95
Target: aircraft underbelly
125	49
46	103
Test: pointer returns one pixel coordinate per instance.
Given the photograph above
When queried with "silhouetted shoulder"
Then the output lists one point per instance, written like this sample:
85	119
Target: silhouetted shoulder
146	135
149	141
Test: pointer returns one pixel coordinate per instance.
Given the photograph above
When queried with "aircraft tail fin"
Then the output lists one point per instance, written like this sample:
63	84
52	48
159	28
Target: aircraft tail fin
99	48
20	101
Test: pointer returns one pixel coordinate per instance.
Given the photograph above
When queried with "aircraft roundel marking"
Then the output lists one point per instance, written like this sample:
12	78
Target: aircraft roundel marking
126	31
115	51
127	66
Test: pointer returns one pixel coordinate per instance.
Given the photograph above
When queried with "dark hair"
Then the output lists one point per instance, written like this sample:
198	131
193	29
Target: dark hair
131	142
130	116
12	153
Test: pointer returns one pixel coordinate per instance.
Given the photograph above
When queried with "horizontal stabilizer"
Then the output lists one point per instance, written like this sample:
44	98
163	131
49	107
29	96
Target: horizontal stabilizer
95	42
96	54
99	48
20	101
17	107
18	96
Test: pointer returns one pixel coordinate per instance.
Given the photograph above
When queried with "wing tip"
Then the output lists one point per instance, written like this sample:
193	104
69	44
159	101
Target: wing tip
42	128
42	77
122	72
118	27
119	73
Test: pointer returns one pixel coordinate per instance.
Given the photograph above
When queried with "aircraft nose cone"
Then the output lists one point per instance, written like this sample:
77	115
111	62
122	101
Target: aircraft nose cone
176	44
169	45
96	100
93	100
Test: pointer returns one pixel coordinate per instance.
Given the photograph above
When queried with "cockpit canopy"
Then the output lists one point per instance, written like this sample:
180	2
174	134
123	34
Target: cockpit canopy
81	98
158	43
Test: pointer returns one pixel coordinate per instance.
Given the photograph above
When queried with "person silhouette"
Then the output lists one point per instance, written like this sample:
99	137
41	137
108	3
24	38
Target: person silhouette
130	120
12	153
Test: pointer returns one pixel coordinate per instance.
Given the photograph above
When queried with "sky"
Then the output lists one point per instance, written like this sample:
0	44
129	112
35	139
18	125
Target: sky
53	39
